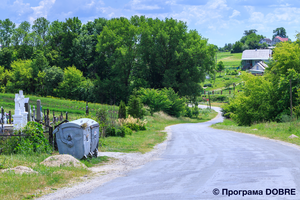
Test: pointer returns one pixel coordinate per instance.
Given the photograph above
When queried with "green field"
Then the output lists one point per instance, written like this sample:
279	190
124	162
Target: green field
75	109
229	59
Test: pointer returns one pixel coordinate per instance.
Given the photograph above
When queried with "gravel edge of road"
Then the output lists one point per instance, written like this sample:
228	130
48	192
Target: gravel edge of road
123	163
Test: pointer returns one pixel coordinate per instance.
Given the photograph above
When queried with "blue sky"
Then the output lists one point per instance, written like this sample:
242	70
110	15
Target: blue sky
221	21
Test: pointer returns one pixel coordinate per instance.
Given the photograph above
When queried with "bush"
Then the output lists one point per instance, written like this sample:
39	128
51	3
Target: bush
115	131
134	124
176	103
207	85
33	142
156	100
122	110
220	98
196	111
135	106
126	130
188	112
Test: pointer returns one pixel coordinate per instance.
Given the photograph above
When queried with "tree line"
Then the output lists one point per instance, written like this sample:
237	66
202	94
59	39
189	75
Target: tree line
103	60
250	40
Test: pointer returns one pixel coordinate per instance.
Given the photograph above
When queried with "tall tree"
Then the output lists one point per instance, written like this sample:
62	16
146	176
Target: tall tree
40	27
279	32
248	32
7	28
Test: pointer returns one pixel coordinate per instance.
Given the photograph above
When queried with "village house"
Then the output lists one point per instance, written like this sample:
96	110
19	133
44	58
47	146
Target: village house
273	42
266	40
255	60
278	39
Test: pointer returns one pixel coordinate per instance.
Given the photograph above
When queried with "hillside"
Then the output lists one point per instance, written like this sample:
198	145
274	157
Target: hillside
229	59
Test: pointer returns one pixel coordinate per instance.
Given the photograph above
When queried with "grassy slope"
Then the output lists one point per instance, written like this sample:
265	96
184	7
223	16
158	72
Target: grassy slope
273	130
75	109
230	59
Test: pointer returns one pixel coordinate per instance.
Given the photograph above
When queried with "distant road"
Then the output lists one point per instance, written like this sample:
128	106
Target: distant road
201	163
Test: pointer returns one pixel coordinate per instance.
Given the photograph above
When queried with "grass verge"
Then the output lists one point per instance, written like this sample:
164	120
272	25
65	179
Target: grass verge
144	141
272	130
28	186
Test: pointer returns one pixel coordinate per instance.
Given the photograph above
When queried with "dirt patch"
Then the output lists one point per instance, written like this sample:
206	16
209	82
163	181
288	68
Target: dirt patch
62	160
21	170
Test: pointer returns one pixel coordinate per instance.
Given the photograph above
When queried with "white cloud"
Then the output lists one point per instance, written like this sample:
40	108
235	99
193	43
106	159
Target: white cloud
257	17
235	13
41	10
20	8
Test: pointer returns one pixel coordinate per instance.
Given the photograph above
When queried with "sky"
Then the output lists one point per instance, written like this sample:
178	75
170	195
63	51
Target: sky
220	21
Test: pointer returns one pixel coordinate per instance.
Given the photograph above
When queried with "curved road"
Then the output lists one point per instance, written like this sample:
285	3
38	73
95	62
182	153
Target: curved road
200	160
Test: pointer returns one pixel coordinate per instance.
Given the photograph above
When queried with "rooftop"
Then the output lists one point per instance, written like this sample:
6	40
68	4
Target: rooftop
257	54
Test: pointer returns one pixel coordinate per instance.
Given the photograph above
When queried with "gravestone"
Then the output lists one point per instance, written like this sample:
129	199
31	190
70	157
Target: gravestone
38	110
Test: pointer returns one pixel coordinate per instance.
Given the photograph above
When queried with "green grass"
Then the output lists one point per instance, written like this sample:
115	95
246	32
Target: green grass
219	83
230	59
144	141
272	130
27	186
75	109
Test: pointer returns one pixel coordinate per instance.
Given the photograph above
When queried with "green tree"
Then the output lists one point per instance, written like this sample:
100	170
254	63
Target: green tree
53	77
237	47
70	86
249	32
279	32
7	28
21	76
285	56
220	66
40	27
135	106
122	110
117	44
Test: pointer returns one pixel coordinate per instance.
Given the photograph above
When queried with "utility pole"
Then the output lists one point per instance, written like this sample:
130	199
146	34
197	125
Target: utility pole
291	100
209	100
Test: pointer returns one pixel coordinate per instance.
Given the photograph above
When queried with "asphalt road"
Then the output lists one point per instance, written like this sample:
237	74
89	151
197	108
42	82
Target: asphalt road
200	161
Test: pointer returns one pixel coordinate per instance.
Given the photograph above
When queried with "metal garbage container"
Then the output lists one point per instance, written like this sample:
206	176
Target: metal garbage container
78	138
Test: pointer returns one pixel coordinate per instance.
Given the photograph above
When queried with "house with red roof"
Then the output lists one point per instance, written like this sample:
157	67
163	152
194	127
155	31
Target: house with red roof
273	42
278	39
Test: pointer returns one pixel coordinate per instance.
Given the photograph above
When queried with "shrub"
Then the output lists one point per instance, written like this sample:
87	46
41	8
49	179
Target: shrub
126	130
196	111
101	115
156	100
33	142
122	110
134	124
188	112
207	85
176	103
221	98
135	106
